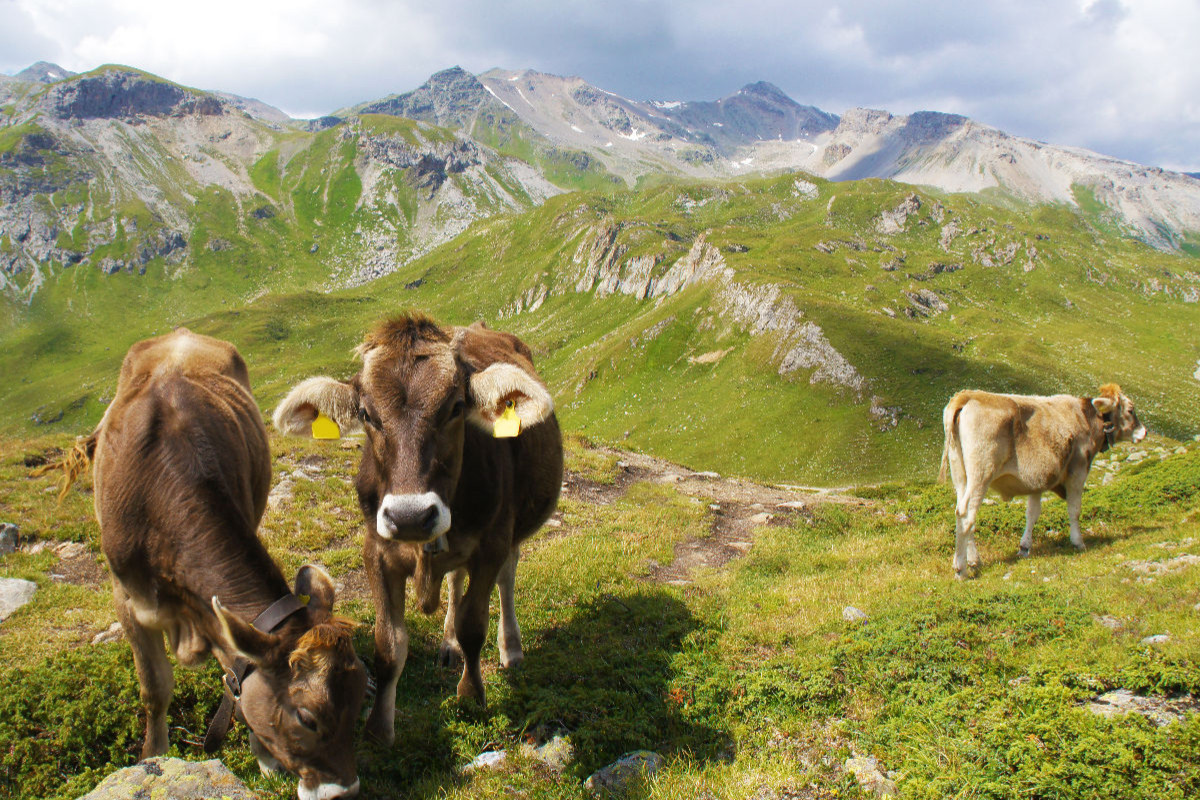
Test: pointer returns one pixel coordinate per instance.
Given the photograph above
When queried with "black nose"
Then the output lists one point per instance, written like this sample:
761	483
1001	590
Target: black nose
431	519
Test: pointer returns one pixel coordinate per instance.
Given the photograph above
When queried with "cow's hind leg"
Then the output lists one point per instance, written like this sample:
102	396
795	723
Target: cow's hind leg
508	638
153	670
450	653
966	557
471	628
1033	508
391	649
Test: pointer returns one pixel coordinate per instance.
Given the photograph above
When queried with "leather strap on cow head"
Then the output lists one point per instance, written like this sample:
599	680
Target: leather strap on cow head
1109	424
267	622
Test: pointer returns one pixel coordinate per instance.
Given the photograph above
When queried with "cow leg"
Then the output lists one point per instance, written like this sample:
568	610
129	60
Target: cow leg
1074	504
508	638
1033	508
966	557
391	649
155	678
450	654
471	628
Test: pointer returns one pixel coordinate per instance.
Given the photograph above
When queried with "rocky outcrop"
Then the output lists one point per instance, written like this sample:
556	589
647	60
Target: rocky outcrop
117	93
893	221
430	162
14	593
762	309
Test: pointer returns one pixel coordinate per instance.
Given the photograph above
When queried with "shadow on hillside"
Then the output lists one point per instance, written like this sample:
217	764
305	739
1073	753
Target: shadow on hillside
602	677
605	678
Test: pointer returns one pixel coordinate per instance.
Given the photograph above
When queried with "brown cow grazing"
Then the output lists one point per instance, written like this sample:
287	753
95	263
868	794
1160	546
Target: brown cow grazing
182	469
439	491
1026	445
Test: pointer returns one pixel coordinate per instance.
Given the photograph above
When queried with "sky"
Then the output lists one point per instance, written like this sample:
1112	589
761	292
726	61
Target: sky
1121	77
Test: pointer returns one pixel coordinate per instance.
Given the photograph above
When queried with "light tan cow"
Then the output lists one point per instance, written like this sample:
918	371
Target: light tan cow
1027	445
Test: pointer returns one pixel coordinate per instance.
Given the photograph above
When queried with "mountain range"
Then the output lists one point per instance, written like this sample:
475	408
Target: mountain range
680	268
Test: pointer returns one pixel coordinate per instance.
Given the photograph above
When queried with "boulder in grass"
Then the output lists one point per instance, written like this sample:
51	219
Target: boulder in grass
14	593
165	778
617	776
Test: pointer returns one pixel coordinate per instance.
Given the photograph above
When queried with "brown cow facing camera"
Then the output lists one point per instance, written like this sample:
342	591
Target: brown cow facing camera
181	472
1027	445
440	491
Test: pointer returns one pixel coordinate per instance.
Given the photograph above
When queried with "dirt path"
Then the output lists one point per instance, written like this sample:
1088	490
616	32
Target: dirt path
739	507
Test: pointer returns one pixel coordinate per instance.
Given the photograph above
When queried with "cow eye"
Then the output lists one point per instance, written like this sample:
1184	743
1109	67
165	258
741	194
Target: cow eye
306	719
365	418
458	409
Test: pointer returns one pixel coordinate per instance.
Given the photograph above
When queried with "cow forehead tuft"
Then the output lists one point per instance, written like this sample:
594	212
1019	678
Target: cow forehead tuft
404	332
1110	390
324	645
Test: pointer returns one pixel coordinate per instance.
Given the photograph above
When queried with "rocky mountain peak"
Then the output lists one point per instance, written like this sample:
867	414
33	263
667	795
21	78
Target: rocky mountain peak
44	72
768	91
117	92
450	98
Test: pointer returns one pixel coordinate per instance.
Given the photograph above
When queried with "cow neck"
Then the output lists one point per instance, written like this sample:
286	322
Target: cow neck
250	581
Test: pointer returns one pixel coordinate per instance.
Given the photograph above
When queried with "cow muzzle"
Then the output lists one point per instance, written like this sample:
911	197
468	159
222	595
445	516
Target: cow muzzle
327	791
1139	433
412	517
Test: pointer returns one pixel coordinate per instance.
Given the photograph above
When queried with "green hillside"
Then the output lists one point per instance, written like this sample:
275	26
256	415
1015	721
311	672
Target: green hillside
1036	300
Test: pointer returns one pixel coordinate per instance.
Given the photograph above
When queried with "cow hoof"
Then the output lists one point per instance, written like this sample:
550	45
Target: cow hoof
1022	552
449	656
1080	547
512	661
385	736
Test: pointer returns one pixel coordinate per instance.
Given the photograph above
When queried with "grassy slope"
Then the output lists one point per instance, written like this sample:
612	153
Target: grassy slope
1092	309
747	680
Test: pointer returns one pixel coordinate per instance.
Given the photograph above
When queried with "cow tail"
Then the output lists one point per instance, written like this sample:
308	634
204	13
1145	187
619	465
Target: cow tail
950	421
73	463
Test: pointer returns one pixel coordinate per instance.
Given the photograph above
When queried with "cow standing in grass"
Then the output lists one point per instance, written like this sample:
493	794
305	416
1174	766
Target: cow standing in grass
1027	445
440	492
181	474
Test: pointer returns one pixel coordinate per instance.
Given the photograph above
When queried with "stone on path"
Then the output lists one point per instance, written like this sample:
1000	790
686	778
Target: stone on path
113	633
619	774
14	593
492	759
172	779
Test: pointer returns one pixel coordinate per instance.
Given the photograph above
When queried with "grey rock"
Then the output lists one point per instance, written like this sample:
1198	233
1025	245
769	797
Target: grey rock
492	759
10	536
172	779
1158	638
1159	710
1110	622
14	593
618	775
866	771
555	754
852	614
762	518
113	633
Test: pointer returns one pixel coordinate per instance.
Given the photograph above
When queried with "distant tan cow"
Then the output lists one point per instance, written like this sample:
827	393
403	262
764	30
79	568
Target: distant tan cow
182	469
441	493
1027	445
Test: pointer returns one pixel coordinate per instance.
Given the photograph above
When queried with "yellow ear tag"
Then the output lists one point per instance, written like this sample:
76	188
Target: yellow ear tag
325	428
303	598
508	424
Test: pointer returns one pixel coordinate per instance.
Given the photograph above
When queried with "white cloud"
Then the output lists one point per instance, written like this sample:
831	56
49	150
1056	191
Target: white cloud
1118	76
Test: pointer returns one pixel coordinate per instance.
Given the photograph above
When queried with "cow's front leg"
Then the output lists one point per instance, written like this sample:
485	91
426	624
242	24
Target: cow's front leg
155	678
1074	504
471	627
391	646
450	653
508	637
1033	508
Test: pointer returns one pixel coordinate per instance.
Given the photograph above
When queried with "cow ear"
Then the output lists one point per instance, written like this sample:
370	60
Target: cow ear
501	376
320	395
315	584
1103	404
243	638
